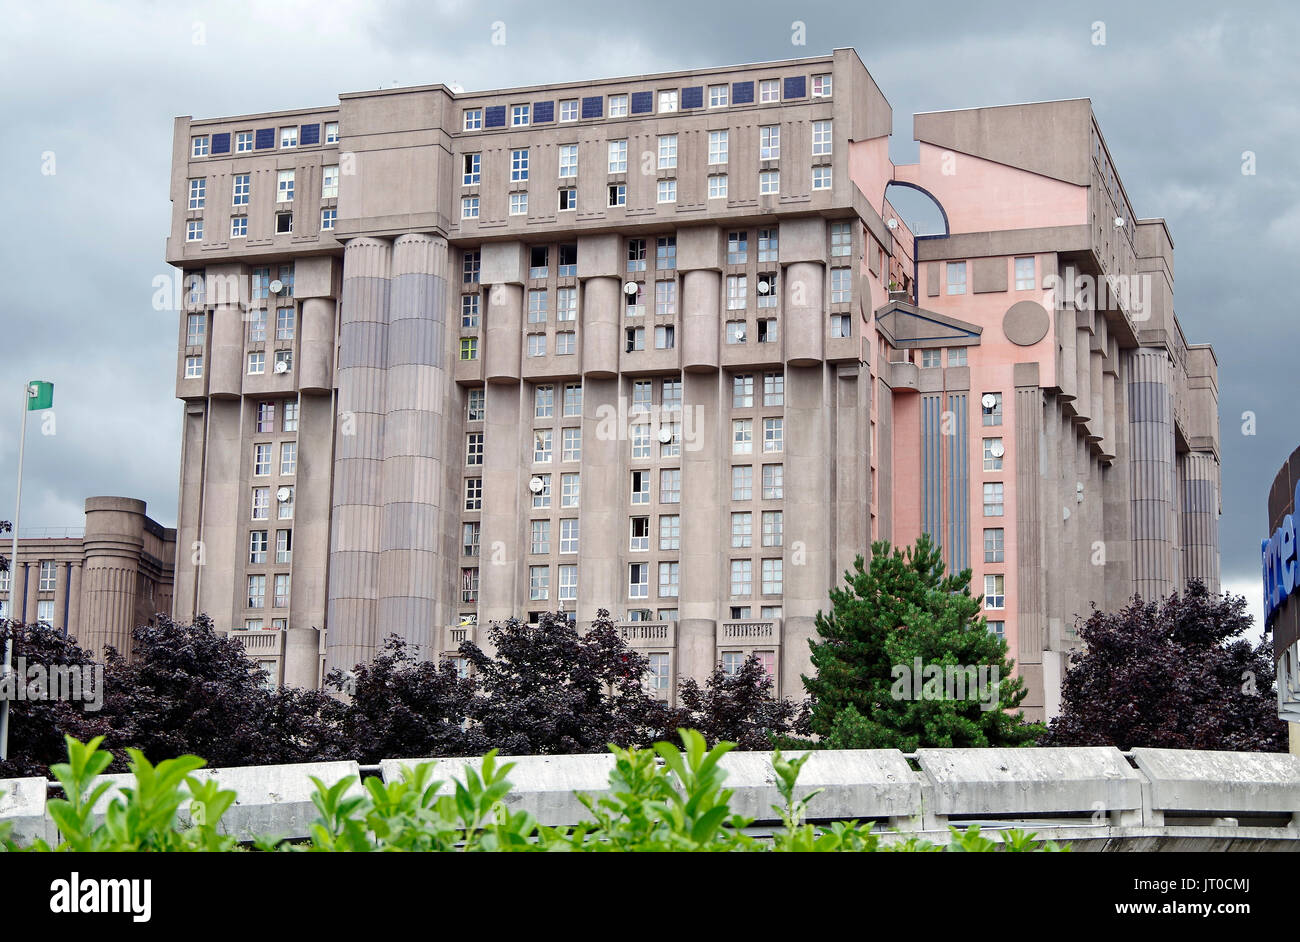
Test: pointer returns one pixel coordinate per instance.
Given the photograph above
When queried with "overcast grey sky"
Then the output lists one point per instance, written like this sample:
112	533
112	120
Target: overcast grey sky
1181	90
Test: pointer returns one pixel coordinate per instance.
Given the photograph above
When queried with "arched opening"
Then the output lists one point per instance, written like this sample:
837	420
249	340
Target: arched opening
924	216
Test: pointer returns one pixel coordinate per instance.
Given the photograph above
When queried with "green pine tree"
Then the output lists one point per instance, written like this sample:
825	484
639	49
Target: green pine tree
868	693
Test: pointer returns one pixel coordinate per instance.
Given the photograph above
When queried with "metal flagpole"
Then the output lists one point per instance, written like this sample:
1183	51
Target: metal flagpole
13	580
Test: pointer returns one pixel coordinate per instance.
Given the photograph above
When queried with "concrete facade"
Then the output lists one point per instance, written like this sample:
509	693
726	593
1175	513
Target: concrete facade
96	583
661	345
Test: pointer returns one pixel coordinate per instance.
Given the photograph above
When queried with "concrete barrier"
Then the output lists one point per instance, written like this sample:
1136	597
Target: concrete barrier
22	804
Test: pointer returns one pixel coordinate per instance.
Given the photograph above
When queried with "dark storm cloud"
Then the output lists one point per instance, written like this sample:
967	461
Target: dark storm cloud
1180	89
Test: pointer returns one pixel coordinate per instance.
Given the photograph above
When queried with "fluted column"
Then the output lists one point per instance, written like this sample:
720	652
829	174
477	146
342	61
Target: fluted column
31	585
113	543
61	576
359	454
74	599
1152	433
1200	501
1028	524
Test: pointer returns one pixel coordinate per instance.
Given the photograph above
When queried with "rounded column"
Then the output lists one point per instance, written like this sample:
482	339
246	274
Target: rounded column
316	355
804	316
113	545
701	319
601	304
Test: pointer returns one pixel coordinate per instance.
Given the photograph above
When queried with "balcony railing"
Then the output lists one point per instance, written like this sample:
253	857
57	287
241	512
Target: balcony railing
764	631
260	642
648	634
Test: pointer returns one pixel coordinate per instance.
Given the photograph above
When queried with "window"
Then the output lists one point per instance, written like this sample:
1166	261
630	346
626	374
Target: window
283	361
821	138
242	188
618	106
569	489
469	207
569	535
668	152
993	451
672	446
769	181
821	86
199	146
469	310
821	178
660	676
638	580
471	174
256	363
742	530
742	482
666	191
666	297
543	402
742	436
956	356
666	253
573	399
566	343
473	119
993	499
257	546
671	399
956	277
568	160
769	142
194	230
718	186
769	90
642	395
518	204
773	481
618	194
640	487
735	331
991	408
289	137
841	238
742	392
475	405
737	248
257	325
718	144
537	305
284	498
283	223
719	96
994	544
261	460
841	325
930	358
569	109
473	493
471	534
732	662
257	591
568	583
283	546
767	292
639	541
1025	274
285	321
670	486
568	261
469	348
540	543
618	156
773	527
519	165
640	437
196	326
194	367
291	417
670	532
331	132
767	331
668	101
995	593
519	115
665	337
737	290
998	628
773	435
198	193
742	577
635	339
841	285
47	576
572	444
328	217
773	576
281	598
243	142
767	246
470	265
288	458
469	584
265	417
669	580
284	187
539	266
474	448
542	446
329	187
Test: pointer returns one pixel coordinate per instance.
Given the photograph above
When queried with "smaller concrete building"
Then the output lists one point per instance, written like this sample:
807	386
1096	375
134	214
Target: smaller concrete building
96	584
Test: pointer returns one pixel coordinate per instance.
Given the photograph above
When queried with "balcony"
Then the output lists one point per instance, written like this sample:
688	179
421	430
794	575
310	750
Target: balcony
453	636
743	633
260	643
648	634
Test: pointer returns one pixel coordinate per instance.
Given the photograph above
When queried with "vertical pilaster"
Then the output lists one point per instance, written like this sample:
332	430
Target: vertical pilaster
1151	426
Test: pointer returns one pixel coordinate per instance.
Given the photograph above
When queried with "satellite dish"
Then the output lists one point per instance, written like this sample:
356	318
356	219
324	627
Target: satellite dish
764	287
535	484
283	495
277	286
740	337
997	450
631	288
893	223
1119	222
282	367
665	434
989	400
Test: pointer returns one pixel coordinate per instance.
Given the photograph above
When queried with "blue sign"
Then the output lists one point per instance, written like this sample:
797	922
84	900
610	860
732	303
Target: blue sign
1281	568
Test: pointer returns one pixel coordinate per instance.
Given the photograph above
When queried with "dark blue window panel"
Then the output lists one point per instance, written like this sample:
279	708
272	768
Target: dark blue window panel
593	107
796	86
494	117
221	143
742	93
693	97
643	102
309	134
265	138
543	111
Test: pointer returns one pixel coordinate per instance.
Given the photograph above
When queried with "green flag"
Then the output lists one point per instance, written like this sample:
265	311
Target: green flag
40	395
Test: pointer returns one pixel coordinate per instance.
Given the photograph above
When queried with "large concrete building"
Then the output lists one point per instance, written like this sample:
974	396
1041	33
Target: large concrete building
95	583
661	344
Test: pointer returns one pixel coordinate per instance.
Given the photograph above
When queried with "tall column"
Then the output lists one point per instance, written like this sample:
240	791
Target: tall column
1031	597
74	600
411	600
31	584
61	576
113	544
1152	465
706	483
359	454
1200	500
